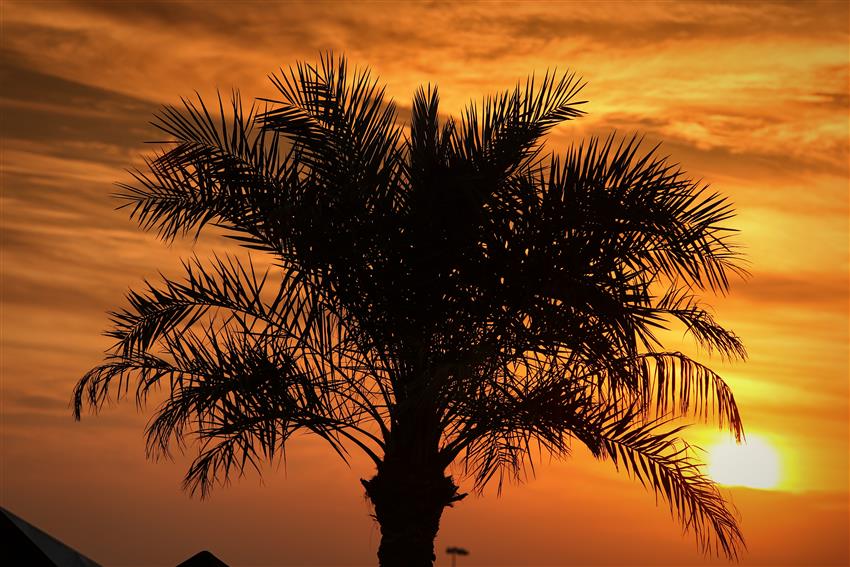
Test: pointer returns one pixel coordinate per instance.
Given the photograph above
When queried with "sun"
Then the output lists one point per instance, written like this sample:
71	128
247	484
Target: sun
753	463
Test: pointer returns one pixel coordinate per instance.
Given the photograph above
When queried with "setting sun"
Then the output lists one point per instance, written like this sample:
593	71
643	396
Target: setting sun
753	463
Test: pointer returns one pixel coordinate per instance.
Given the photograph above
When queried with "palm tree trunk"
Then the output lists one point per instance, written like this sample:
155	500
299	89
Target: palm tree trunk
409	501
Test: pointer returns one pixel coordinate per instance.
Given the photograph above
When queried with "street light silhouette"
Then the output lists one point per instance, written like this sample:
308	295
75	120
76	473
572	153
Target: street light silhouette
455	551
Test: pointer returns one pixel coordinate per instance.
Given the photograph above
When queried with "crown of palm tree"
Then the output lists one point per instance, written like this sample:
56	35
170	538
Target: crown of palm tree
456	271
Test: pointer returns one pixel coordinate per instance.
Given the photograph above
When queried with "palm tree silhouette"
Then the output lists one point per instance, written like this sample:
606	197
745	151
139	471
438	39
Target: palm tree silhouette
451	293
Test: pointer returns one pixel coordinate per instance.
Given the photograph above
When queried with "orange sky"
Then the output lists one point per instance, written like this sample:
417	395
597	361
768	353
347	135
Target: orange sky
751	97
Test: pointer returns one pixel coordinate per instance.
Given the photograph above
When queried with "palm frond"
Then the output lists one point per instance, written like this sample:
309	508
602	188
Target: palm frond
664	463
501	137
226	284
429	145
228	305
218	169
701	324
340	126
642	212
252	393
666	383
500	421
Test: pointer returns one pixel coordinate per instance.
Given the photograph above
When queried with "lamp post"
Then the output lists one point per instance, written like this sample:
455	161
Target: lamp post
455	551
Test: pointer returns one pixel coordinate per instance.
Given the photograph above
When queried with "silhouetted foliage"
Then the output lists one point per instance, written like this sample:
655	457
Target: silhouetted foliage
448	293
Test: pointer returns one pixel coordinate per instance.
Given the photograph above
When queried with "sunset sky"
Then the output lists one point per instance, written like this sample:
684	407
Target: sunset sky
751	97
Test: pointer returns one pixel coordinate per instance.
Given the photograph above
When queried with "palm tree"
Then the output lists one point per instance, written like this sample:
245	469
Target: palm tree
447	294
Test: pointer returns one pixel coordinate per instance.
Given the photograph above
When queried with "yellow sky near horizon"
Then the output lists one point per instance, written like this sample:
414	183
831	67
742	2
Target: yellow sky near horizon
751	97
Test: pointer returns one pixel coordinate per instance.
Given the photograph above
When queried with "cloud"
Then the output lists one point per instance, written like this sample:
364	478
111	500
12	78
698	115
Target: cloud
65	118
775	85
636	27
824	290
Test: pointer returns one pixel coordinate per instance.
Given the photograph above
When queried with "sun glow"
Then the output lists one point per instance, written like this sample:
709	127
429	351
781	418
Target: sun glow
753	463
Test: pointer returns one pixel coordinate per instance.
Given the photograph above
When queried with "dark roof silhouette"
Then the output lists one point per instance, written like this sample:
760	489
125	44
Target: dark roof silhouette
203	559
25	544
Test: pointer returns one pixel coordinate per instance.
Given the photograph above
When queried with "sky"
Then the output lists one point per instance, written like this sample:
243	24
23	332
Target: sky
751	97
